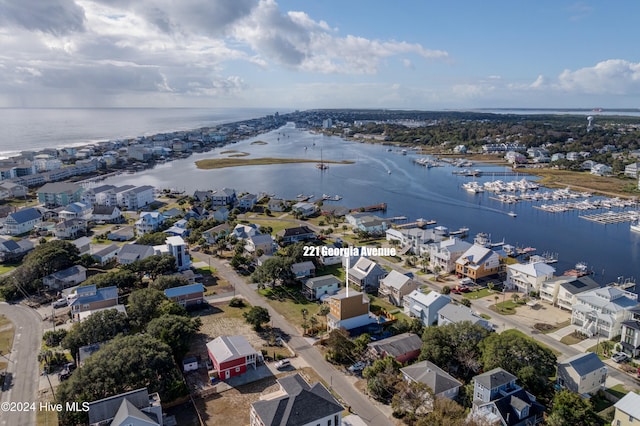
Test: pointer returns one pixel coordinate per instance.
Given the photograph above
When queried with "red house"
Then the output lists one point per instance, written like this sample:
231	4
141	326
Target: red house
231	355
403	347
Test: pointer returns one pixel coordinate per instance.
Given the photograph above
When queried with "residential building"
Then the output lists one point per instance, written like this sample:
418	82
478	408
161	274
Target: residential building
318	287
202	196
10	189
498	400
395	286
297	234
601	170
297	403
583	373
562	291
627	410
232	356
12	250
65	278
216	233
224	197
277	205
59	194
89	299
77	210
186	295
368	223
178	229
302	270
478	262
71	228
22	221
404	347
348	310
243	232
334	258
445	253
220	214
439	381
130	253
630	334
528	277
263	242
135	198
247	201
455	314
632	170
124	233
365	275
135	408
177	247
425	306
602	311
107	214
149	222
106	254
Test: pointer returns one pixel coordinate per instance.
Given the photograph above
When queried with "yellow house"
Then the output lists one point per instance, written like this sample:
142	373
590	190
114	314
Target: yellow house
627	411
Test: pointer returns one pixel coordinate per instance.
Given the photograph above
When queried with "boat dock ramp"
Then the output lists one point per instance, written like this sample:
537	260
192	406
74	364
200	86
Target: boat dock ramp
613	217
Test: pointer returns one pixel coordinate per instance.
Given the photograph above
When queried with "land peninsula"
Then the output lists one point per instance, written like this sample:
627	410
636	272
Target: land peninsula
220	163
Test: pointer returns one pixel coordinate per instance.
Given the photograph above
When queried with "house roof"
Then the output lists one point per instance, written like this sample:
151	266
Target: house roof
58	187
133	252
184	290
580	285
510	405
321	281
9	245
431	375
395	280
107	250
454	245
397	345
461	313
106	408
86	294
302	266
363	267
69	272
494	378
129	414
533	269
104	210
610	299
294	232
584	363
226	348
261	239
301	404
25	215
427	299
476	254
629	404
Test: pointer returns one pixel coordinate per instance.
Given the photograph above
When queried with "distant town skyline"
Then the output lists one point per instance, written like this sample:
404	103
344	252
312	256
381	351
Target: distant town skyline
297	54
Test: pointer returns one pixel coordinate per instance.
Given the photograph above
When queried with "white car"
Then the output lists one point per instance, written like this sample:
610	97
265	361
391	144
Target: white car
619	357
358	366
283	363
60	303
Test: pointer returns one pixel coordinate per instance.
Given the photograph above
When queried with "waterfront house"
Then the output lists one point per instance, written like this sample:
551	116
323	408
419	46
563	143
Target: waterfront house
601	170
136	198
10	189
296	403
177	247
348	310
439	381
562	291
368	223
404	347
202	196
106	254
455	314
395	286
220	214
630	334
318	287
22	221
602	311
365	275
137	407
425	306
186	295
224	197
528	277
247	201
243	232
415	239
262	242
232	356
297	234
77	210
57	194
583	374
65	278
498	400
478	262
130	253
302	270
89	299
277	205
149	222
100	195
304	209
627	410
106	214
71	228
444	254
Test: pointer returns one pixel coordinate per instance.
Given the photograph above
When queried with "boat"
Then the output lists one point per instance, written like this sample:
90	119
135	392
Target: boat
388	172
635	227
512	214
337	198
321	165
581	269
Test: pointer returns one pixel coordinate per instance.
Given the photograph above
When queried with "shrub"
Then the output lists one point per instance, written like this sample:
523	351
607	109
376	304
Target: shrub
236	303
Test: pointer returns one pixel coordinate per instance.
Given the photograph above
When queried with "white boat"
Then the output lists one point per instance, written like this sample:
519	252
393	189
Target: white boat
512	214
635	227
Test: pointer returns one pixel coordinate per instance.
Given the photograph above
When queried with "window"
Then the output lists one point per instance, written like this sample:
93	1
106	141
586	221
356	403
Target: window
237	369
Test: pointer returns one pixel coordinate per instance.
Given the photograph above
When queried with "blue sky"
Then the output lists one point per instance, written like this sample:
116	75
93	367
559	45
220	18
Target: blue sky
408	54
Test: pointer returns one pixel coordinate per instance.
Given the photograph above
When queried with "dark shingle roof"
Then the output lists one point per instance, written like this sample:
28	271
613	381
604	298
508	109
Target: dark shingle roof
25	215
584	363
397	345
494	378
580	285
431	375
294	232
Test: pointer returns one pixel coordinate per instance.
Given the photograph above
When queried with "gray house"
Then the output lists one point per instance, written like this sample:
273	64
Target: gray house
583	373
366	274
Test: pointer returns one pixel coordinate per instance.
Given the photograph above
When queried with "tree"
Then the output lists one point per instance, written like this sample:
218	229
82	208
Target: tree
176	331
154	266
465	302
382	378
570	409
144	306
412	399
97	328
446	412
152	239
164	282
274	269
515	297
445	290
123	279
339	347
256	316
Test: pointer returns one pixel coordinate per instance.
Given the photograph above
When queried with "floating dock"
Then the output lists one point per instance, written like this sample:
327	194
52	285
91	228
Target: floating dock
613	217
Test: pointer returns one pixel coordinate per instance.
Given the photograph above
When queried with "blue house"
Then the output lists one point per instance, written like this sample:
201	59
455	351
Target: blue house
186	295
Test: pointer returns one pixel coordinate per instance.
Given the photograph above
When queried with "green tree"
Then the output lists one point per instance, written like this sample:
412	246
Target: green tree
164	282
446	412
97	328
144	306
152	239
123	279
256	316
570	409
339	347
176	331
383	376
273	270
412	400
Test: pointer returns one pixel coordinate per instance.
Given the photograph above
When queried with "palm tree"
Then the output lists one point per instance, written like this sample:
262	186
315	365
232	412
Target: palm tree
313	322
45	356
515	298
496	299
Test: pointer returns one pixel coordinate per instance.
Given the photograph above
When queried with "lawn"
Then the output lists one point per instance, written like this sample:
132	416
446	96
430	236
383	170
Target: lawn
6	268
275	225
479	294
570	339
289	302
336	270
508	307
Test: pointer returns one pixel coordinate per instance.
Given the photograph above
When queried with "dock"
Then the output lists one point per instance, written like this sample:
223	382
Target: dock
417	224
613	217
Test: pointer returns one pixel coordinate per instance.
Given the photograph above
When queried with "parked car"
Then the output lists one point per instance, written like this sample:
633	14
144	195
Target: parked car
60	303
358	366
619	357
283	363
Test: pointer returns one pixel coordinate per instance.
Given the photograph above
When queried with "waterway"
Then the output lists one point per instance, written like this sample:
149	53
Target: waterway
380	175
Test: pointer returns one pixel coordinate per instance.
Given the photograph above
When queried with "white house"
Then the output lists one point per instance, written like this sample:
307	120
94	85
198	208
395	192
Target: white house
528	277
425	306
583	373
445	253
149	222
22	221
562	291
602	311
176	247
630	338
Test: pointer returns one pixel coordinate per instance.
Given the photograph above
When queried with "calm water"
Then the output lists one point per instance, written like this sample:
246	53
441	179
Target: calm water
409	190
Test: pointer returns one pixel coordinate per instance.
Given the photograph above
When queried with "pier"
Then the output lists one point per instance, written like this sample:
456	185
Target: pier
420	223
613	217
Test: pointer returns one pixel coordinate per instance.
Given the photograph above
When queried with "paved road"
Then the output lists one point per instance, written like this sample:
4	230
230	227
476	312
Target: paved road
359	403
23	363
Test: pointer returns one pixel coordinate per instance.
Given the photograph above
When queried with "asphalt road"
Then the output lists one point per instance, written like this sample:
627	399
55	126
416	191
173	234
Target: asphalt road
23	366
360	405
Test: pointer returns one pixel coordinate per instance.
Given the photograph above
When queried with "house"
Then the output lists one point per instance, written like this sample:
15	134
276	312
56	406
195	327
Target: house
403	347
130	253
583	373
318	287
104	255
303	270
263	242
630	334
297	234
395	286
178	229
216	233
59	194
528	277
632	170
243	232
177	247
224	197
77	210
186	295
425	306
220	214
149	222
304	208
445	253
12	190
439	381
368	223
89	299
202	196
83	244
232	356
454	314
602	311
498	400
65	278
247	201
71	228
124	233
562	291
107	214
478	262
296	403
12	250
331	256
365	275
137	407
199	212
348	310
601	170
277	205
627	410
135	198
22	221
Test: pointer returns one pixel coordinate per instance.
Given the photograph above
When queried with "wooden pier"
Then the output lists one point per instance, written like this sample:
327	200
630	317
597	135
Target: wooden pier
416	224
613	217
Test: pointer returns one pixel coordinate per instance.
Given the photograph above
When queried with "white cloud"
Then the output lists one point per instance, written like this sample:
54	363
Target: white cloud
613	76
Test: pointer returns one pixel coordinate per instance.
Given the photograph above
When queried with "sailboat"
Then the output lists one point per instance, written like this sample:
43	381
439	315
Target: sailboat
321	165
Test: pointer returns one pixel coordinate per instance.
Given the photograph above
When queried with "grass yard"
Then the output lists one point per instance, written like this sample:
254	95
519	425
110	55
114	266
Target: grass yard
571	339
6	268
335	270
508	307
479	294
289	302
276	225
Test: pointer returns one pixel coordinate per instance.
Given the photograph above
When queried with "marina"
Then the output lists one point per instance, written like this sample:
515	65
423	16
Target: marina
614	217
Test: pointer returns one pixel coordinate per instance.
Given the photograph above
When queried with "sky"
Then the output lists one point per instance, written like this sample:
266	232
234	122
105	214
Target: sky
304	54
